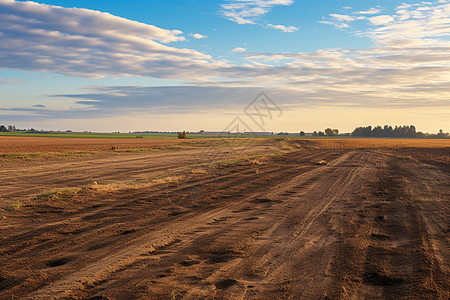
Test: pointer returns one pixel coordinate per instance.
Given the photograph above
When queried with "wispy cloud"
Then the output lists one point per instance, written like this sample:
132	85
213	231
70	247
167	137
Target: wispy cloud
424	23
341	21
371	11
283	28
339	25
249	11
413	22
246	11
343	18
381	20
10	81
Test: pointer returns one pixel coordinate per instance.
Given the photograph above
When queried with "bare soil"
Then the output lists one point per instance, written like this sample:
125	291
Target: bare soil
244	222
17	144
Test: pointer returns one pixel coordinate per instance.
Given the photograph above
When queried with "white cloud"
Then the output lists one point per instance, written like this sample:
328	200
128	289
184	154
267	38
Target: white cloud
338	25
79	21
421	23
381	20
198	36
89	43
340	21
339	17
283	28
238	49
246	11
371	11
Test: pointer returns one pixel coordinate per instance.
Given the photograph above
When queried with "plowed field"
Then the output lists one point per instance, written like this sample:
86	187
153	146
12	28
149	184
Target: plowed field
260	221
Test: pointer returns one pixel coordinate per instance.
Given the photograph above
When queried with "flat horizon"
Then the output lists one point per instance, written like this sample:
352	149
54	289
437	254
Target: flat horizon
278	65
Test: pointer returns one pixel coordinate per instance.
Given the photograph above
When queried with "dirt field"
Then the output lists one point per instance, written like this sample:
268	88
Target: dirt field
14	144
206	220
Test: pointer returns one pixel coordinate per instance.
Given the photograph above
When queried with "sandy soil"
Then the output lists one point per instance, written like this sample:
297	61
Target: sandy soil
372	223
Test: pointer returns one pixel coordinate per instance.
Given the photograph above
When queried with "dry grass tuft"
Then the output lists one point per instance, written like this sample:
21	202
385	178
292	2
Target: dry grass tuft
57	194
11	207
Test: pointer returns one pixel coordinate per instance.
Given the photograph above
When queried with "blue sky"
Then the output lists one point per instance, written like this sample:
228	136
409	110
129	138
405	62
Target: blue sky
174	65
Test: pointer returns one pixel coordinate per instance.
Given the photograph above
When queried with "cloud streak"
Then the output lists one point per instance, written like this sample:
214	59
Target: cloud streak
83	42
10	81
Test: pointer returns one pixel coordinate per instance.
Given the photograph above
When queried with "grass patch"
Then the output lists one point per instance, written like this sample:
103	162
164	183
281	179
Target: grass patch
190	144
256	159
284	146
57	194
11	207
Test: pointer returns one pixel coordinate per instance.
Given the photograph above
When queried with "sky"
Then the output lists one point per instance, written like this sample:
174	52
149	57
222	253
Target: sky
177	65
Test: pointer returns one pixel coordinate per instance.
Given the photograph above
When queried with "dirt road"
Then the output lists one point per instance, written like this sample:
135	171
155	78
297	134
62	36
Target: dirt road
372	224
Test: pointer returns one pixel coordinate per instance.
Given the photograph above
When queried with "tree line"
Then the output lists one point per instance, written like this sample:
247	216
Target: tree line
397	131
11	128
327	132
404	131
3	128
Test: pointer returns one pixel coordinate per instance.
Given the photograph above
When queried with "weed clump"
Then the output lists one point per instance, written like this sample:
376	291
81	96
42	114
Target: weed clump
11	207
56	195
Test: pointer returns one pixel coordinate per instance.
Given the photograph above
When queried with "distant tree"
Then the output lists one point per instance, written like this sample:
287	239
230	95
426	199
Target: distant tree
182	135
321	133
329	131
302	133
315	133
412	131
441	134
377	131
362	131
420	134
387	130
335	132
3	128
